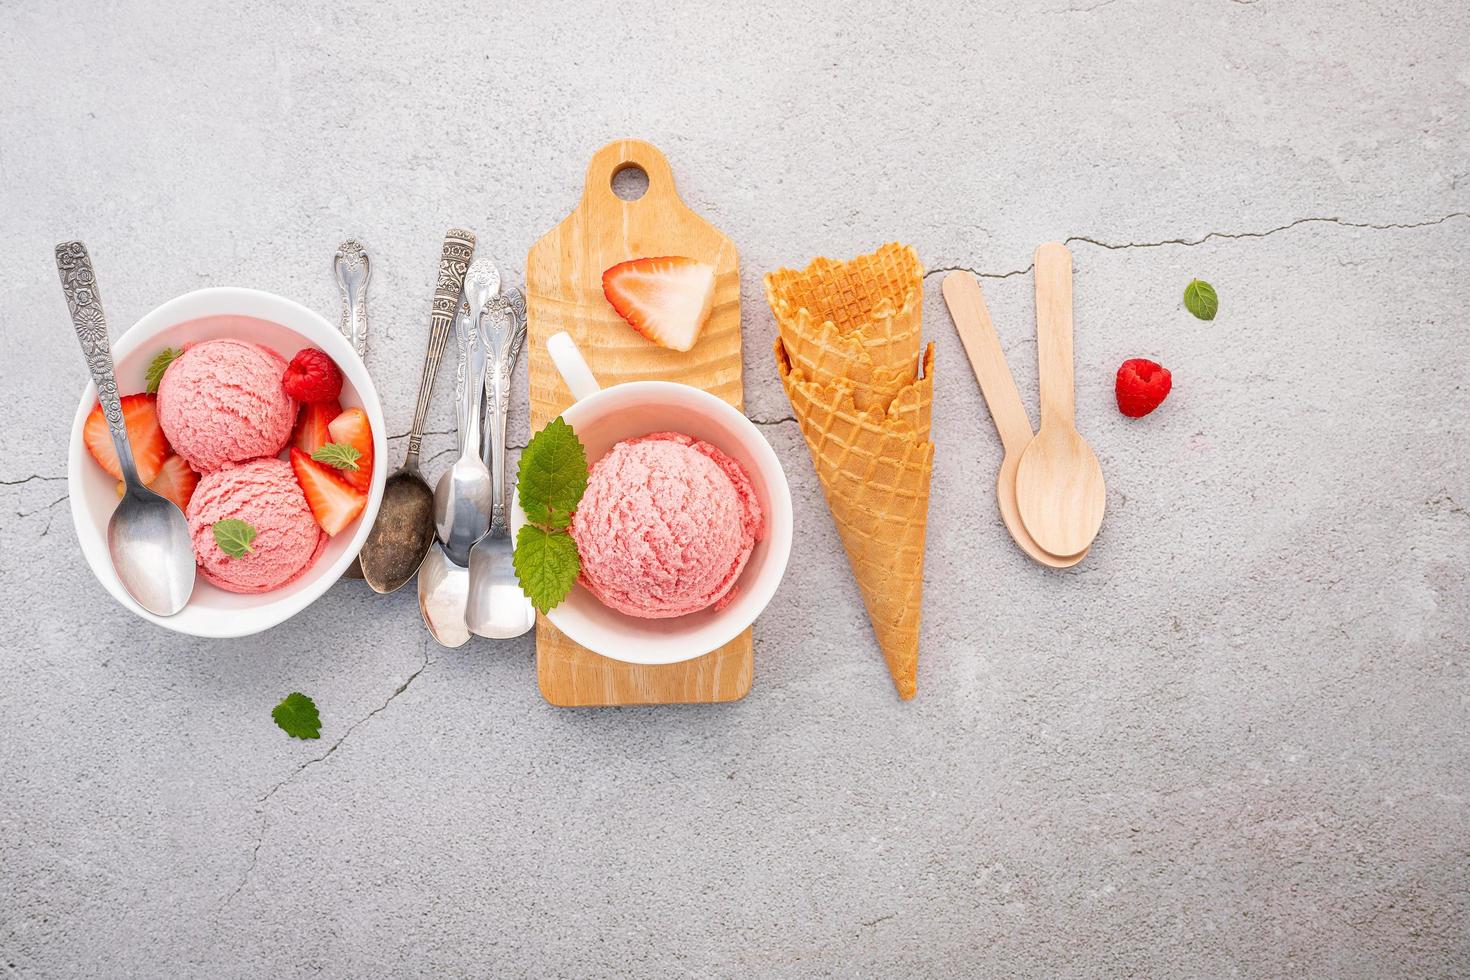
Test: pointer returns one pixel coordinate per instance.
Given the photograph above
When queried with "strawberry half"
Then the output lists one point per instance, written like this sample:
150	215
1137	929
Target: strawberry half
176	481
150	448
333	502
311	428
1141	387
351	428
666	299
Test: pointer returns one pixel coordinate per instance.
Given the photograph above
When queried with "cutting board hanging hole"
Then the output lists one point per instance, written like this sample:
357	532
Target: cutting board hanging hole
630	182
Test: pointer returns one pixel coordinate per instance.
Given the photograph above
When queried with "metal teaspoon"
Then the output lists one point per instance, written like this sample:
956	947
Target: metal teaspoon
497	607
400	538
463	496
147	536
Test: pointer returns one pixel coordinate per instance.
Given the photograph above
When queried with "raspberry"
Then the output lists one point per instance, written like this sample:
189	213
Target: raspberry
312	377
1142	386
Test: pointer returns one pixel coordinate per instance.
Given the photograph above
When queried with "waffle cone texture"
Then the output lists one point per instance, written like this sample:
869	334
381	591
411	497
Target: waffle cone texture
848	356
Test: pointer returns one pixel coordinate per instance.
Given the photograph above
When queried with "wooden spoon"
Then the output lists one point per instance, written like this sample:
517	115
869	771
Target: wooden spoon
1059	485
972	322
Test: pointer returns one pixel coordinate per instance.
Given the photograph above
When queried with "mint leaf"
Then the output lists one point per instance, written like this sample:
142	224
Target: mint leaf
546	564
234	537
298	717
552	475
158	365
338	454
1200	299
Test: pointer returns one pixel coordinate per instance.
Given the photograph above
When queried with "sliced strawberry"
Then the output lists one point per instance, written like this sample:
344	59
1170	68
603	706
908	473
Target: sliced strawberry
311	428
176	481
333	502
666	299
150	448
352	429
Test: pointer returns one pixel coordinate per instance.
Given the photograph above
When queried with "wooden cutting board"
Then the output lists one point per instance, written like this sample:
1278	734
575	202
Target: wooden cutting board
564	292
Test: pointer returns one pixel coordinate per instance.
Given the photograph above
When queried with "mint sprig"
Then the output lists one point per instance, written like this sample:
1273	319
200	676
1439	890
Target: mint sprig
298	717
233	537
551	479
553	475
1200	299
338	454
158	365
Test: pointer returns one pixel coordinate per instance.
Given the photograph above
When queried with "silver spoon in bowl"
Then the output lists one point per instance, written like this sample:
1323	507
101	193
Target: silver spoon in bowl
147	536
463	497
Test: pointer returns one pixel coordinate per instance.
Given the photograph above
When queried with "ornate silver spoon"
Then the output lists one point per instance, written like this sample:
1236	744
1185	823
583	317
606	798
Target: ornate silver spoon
148	536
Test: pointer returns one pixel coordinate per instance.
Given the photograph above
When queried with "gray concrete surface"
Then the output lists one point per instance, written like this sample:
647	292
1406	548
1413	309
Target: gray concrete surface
1231	743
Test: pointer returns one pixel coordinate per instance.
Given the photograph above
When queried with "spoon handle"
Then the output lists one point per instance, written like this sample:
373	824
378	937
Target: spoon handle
972	322
454	259
353	270
503	340
1054	333
82	300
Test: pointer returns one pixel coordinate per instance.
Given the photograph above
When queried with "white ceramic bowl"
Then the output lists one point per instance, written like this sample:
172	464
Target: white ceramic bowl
286	327
604	417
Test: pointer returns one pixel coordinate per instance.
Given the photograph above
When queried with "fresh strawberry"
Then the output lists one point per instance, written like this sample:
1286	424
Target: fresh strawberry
351	428
333	502
176	481
144	434
1141	387
311	428
312	377
666	299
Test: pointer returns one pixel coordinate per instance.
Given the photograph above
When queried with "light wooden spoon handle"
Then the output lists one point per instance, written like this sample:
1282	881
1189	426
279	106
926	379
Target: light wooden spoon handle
972	322
1054	333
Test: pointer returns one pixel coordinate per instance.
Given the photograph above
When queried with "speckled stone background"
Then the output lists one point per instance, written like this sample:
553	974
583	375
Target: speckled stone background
1233	742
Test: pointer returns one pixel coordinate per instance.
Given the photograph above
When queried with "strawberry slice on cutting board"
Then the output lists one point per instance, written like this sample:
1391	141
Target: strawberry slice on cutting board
145	436
333	502
667	299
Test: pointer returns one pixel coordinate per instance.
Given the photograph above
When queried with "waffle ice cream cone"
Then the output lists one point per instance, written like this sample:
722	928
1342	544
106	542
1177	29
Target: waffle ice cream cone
848	356
860	320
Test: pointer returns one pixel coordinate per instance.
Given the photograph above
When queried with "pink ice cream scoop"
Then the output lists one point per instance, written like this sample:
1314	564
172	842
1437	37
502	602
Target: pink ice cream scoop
264	494
666	526
221	402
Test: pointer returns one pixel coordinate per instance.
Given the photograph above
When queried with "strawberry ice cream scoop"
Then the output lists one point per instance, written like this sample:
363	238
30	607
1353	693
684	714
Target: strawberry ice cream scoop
264	494
221	401
666	526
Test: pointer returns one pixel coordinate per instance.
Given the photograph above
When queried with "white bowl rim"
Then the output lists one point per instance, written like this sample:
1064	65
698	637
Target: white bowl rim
226	301
779	531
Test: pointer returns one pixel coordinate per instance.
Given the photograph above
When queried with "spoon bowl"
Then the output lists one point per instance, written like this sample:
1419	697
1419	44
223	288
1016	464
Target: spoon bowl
401	537
443	588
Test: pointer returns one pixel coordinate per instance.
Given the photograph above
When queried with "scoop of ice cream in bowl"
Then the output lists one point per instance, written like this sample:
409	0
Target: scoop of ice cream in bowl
272	528
685	528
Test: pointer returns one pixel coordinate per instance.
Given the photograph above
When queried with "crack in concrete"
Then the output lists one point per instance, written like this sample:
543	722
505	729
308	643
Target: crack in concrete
1190	243
265	798
41	510
780	421
28	479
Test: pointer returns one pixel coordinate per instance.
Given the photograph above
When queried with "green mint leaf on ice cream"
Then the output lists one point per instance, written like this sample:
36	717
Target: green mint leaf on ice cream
547	565
234	537
338	454
550	482
298	717
552	476
158	365
1200	299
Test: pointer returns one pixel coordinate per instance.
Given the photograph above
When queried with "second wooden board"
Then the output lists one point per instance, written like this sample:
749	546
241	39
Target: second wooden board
564	292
